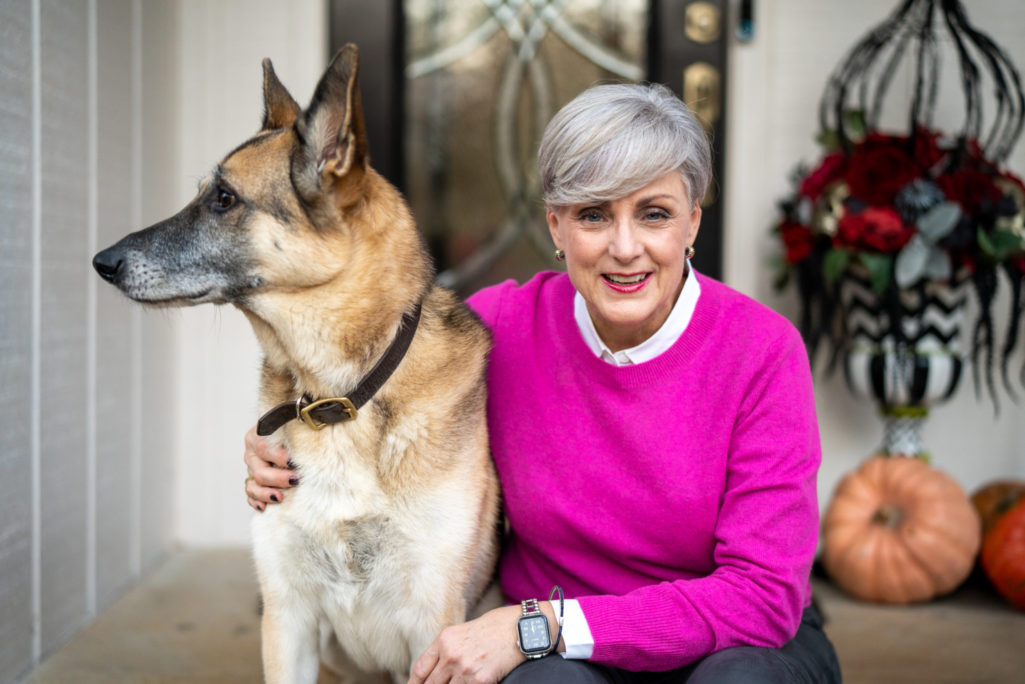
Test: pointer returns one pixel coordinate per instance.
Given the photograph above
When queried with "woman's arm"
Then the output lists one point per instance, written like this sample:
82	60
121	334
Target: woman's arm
271	471
764	541
480	651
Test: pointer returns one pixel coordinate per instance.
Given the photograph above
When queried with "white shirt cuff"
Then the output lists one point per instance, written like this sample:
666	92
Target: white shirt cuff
575	632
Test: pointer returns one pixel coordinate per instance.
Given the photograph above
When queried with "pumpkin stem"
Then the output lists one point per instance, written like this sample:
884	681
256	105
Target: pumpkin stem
888	516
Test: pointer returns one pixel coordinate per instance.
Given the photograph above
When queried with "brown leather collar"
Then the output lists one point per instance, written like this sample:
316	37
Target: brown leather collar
322	412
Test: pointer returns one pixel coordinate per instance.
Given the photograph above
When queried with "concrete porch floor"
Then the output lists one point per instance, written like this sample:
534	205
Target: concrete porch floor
195	619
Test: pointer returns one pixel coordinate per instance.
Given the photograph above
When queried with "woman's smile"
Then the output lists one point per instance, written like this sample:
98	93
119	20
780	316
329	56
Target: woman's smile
626	282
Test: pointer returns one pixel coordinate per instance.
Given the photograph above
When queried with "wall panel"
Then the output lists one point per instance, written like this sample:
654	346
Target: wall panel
113	311
82	510
16	235
63	351
159	173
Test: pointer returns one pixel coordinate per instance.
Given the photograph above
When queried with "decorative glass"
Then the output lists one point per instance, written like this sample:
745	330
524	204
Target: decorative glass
483	77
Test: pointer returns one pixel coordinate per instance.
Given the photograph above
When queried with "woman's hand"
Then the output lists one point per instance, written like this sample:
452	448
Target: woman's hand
480	651
270	471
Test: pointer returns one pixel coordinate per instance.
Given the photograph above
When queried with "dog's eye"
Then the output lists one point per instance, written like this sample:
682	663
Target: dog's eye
225	200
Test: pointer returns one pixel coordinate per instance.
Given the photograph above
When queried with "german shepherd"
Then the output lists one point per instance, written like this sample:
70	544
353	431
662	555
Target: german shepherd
391	535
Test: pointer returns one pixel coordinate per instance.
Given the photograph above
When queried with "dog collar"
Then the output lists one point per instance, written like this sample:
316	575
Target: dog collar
318	413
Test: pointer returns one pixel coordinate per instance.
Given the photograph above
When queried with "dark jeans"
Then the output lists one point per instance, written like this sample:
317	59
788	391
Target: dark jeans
808	657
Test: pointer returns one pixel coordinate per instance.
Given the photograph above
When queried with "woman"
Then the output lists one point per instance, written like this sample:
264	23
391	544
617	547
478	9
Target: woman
654	432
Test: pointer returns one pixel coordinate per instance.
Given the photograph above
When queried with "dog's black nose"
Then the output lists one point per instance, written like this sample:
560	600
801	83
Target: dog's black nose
107	263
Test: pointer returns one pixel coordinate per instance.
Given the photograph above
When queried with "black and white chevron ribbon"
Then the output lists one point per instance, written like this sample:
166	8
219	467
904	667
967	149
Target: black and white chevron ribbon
915	364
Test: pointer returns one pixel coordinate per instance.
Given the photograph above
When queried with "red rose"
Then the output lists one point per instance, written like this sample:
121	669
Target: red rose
965	261
831	168
973	151
968	188
879	229
798	240
927	152
876	174
875	140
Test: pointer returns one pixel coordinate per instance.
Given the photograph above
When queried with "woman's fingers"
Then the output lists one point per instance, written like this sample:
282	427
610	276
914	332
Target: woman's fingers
262	495
266	475
258	448
270	471
424	665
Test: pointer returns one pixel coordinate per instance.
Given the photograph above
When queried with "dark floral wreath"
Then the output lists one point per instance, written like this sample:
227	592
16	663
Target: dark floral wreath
909	212
904	209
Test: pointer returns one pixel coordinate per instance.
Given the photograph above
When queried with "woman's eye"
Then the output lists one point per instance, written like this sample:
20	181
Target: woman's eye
590	216
225	200
655	215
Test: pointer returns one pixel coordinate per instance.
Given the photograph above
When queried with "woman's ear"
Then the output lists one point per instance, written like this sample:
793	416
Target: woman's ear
552	217
695	223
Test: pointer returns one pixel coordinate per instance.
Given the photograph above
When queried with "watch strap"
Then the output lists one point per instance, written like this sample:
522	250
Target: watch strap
530	607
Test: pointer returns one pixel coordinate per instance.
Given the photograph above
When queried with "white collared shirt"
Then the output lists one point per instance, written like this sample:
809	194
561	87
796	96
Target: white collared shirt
658	343
575	632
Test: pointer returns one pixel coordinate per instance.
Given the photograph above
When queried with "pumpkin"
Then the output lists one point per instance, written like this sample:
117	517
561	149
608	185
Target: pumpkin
1003	549
989	500
899	531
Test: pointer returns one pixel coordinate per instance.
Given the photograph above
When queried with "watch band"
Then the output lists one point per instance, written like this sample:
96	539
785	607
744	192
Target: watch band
530	607
531	614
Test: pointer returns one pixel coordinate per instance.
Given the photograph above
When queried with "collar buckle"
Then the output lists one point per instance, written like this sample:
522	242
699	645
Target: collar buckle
346	411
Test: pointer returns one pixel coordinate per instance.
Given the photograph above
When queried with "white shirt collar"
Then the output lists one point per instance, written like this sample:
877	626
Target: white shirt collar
658	343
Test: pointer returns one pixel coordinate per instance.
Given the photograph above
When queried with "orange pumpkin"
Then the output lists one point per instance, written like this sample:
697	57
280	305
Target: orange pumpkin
1003	549
899	531
990	499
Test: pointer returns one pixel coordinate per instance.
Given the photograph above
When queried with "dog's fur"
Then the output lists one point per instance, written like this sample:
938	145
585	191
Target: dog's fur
390	535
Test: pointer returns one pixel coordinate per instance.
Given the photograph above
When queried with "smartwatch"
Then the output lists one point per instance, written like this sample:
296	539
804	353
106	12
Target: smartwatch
532	633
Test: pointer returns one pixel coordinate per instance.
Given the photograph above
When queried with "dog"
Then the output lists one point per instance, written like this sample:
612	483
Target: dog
373	378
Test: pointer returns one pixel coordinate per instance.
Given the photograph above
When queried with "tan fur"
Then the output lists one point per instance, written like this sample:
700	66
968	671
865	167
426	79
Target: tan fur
391	534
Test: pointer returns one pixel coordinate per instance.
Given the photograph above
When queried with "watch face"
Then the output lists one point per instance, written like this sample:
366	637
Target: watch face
534	635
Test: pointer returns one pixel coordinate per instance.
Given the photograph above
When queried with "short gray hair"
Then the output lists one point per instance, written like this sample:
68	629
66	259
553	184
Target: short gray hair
612	140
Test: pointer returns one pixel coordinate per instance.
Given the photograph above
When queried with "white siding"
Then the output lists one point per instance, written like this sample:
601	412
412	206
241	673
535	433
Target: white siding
74	530
155	395
16	264
113	184
64	61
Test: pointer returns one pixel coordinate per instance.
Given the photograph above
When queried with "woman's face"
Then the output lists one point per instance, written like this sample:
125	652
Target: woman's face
626	257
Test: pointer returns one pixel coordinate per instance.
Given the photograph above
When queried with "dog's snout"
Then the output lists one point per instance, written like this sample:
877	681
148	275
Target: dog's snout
107	263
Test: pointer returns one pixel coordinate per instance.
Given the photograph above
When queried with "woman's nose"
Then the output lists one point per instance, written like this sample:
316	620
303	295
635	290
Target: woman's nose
625	245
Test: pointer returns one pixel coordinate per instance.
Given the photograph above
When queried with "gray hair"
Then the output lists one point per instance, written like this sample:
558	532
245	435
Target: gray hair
612	140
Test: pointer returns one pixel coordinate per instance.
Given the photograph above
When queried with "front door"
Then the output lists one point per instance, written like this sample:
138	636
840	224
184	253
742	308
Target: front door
457	93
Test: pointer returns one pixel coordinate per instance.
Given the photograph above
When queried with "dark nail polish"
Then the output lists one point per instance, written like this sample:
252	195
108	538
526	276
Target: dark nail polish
293	480
274	497
291	464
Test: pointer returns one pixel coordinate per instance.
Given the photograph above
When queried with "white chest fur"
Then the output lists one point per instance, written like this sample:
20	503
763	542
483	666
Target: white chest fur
366	562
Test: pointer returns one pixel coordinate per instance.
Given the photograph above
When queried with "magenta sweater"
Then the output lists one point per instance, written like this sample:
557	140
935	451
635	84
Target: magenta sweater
675	498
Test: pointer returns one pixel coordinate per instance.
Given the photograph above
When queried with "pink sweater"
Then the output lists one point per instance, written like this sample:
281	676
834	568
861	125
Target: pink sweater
676	498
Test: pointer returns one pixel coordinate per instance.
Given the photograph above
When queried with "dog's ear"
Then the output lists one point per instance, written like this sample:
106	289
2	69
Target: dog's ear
332	132
280	110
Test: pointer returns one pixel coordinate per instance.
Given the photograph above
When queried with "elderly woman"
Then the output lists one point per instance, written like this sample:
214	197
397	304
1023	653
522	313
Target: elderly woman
654	432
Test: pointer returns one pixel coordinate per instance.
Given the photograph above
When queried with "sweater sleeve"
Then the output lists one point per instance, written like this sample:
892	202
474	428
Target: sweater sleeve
764	541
